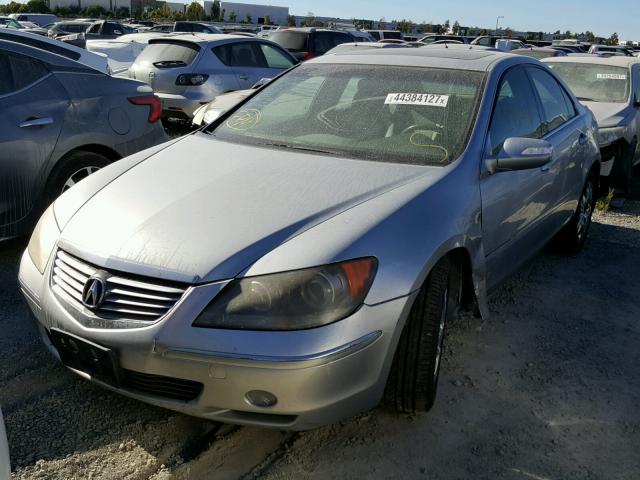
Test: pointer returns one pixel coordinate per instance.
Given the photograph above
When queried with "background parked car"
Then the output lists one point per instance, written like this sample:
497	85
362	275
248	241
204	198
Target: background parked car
8	22
184	26
428	39
361	36
357	46
65	28
187	71
307	43
539	53
41	19
5	465
610	49
107	29
610	88
60	122
382	34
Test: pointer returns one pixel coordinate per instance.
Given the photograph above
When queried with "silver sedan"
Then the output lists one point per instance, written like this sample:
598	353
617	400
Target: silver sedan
297	260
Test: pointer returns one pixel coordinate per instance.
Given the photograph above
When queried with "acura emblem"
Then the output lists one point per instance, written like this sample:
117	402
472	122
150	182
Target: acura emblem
93	292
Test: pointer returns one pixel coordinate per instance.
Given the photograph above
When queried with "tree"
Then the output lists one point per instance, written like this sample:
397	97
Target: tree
267	20
233	17
122	12
405	26
484	32
291	21
568	34
382	24
248	18
589	37
444	29
456	28
215	10
195	11
613	39
508	32
309	19
37	6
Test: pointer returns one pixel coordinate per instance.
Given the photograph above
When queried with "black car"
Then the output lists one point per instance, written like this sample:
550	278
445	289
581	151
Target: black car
60	29
307	43
184	26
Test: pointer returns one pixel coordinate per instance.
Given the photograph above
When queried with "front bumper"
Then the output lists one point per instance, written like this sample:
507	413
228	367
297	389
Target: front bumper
319	376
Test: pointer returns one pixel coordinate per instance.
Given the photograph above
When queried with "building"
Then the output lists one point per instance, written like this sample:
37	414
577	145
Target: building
277	15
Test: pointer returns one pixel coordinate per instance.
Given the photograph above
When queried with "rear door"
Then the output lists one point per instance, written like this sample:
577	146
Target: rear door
566	132
246	61
33	106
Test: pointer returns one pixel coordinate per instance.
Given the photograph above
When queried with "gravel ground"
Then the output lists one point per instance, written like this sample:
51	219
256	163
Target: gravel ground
547	388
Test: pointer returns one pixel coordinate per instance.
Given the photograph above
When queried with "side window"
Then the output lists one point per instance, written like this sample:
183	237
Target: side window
94	28
240	54
18	72
515	113
339	38
635	78
554	102
275	58
323	42
375	35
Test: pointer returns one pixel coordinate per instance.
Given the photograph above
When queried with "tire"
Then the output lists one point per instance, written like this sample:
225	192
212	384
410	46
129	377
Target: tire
413	379
573	236
623	174
72	168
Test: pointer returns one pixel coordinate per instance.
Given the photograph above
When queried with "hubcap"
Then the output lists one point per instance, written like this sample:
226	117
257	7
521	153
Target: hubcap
443	318
584	211
78	175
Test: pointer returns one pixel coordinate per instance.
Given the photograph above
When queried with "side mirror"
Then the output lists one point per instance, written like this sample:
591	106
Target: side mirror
521	154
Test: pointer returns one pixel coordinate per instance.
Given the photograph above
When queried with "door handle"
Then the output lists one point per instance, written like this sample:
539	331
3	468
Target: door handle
36	122
243	77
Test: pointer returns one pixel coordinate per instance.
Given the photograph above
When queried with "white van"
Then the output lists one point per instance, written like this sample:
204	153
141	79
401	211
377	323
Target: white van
40	19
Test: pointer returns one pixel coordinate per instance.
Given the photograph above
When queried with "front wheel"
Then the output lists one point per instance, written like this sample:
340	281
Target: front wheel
573	236
413	379
71	169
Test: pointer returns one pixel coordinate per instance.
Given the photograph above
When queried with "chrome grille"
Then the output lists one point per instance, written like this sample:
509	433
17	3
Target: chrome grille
125	297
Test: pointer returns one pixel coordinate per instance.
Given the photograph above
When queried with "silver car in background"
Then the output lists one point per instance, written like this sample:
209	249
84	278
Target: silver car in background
297	260
187	71
610	88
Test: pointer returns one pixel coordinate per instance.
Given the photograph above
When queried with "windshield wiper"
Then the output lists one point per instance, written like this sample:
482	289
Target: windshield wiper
585	99
302	148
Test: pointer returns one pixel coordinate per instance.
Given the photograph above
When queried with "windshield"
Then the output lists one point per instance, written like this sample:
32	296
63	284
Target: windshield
389	114
595	83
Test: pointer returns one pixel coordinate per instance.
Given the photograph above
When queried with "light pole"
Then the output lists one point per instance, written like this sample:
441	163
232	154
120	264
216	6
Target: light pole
498	21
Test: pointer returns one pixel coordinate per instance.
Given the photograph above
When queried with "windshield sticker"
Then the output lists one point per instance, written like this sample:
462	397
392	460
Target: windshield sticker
611	76
428	99
244	120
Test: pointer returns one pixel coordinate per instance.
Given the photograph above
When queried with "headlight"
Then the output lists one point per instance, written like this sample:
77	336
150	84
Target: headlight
212	115
291	300
43	239
610	135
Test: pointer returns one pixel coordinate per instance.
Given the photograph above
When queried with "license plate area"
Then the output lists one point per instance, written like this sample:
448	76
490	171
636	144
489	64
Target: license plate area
99	362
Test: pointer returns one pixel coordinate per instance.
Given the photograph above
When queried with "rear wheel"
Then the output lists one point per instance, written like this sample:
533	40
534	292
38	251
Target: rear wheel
70	170
413	379
572	237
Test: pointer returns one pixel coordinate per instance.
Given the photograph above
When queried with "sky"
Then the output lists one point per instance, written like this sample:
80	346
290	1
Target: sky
600	16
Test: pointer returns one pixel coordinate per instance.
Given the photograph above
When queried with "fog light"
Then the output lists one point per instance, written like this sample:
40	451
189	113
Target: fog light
260	398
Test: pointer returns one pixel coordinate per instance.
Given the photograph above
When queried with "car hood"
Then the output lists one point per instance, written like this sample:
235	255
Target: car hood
205	210
607	114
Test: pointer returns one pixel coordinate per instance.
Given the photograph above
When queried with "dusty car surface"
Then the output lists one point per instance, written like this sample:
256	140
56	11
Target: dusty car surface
61	121
189	70
610	87
298	259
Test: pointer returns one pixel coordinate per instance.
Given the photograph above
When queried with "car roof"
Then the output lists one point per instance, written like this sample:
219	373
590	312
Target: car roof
594	59
455	57
202	38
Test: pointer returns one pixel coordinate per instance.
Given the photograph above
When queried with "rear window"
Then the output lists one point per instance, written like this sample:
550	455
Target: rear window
393	35
73	28
422	116
294	41
595	83
169	54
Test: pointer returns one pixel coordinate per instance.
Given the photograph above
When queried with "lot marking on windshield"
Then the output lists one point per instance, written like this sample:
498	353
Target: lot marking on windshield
429	99
611	76
244	120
